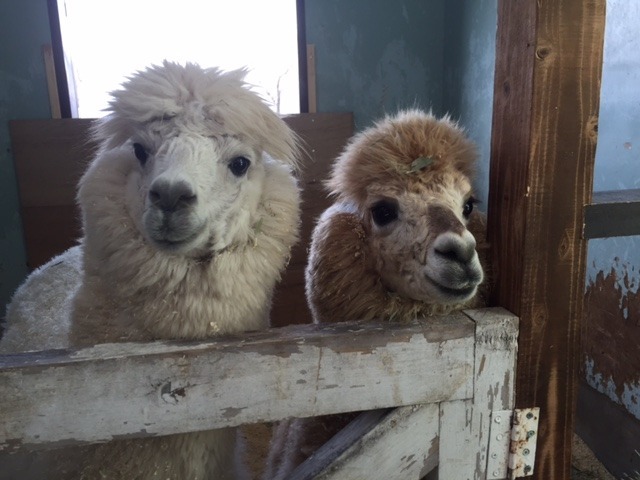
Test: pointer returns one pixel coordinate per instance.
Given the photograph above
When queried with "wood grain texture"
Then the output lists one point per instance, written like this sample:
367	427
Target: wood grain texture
130	389
546	97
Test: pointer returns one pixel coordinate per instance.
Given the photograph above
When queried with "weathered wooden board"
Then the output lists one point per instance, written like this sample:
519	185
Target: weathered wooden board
613	214
546	97
466	425
349	436
324	136
403	445
119	390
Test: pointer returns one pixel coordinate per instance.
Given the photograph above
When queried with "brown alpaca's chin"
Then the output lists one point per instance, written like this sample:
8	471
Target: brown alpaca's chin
453	296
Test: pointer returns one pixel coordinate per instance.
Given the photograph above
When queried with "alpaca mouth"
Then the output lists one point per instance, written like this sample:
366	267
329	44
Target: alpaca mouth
172	232
173	242
453	292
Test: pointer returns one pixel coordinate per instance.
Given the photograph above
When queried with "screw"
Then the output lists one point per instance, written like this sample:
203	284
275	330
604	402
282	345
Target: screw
529	415
526	451
527	469
499	437
494	455
498	419
530	434
496	474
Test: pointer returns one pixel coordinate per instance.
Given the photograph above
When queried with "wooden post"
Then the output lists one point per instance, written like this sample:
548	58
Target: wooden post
547	85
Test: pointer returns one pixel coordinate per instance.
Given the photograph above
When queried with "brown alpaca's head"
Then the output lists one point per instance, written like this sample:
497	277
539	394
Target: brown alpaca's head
409	179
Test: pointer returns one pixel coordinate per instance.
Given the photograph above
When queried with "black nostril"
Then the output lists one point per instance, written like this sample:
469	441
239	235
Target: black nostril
454	248
171	196
449	254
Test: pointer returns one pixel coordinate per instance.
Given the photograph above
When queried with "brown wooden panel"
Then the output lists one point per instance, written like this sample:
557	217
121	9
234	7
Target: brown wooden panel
324	135
613	214
51	230
546	96
51	155
610	431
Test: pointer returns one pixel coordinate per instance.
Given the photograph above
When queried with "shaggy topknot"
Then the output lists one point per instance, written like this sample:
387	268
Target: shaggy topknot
386	151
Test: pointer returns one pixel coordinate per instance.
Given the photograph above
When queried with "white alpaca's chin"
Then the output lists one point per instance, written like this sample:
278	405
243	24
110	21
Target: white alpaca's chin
178	233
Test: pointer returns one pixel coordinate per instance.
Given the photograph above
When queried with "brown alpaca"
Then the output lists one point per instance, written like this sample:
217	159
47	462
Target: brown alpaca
398	243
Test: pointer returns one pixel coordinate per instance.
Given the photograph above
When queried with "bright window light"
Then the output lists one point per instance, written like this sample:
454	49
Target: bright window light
107	40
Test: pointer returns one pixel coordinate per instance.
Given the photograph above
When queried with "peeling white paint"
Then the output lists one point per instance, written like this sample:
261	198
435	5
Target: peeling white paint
630	398
620	255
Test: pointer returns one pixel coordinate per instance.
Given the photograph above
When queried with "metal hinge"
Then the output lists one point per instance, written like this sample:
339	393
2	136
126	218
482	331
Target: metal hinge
524	436
512	443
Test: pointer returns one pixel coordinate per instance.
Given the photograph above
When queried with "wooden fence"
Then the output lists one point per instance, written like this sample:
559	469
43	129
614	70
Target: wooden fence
450	379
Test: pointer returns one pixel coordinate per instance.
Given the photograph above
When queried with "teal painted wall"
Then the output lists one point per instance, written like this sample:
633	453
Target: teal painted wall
24	28
470	53
376	56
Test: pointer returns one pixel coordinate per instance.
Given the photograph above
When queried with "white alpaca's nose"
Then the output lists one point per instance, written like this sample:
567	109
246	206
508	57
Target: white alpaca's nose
456	248
170	196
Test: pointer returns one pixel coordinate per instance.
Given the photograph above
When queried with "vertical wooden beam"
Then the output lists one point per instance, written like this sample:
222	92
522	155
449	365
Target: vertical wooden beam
311	78
546	97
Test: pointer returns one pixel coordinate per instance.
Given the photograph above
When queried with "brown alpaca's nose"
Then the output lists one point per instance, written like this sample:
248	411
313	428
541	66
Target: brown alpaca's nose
456	248
171	196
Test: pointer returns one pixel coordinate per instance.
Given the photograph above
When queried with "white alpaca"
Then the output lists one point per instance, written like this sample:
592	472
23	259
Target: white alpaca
189	211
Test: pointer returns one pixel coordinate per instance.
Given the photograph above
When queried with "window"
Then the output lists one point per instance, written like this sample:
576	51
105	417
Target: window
106	40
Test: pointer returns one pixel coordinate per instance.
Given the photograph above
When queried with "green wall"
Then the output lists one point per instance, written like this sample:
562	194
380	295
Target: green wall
470	50
24	28
377	56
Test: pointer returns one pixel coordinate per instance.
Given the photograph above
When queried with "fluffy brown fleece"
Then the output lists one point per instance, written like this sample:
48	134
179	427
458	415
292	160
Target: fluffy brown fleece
385	152
342	277
423	161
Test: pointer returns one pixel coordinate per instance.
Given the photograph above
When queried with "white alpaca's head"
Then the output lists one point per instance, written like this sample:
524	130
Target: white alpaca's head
409	179
194	145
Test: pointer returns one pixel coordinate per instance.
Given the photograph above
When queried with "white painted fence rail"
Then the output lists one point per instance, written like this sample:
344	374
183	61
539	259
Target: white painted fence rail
449	372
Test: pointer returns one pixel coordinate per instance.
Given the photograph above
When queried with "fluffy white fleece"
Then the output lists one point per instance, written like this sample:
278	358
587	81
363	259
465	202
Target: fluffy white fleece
202	263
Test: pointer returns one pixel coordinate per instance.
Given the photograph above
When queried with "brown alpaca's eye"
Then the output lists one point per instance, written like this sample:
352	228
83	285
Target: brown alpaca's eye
384	212
468	207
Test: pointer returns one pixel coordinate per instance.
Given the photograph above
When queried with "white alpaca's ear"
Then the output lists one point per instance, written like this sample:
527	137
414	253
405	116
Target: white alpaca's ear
279	141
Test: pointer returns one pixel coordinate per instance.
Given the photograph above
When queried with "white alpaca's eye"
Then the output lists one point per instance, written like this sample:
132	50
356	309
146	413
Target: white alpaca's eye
141	153
468	207
239	166
384	212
